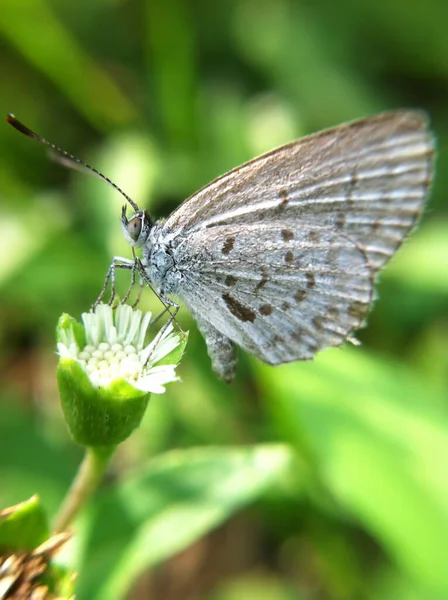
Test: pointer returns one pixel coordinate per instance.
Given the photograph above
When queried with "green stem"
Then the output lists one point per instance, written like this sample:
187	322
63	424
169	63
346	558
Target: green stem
85	483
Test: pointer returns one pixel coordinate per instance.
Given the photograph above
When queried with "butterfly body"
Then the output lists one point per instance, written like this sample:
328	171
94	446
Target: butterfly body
161	265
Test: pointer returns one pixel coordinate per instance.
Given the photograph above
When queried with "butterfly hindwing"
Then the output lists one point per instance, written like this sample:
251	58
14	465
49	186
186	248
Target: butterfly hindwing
281	294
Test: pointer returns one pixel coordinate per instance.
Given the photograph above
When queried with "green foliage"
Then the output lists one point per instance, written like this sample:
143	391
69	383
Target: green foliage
379	448
23	527
169	505
163	96
25	544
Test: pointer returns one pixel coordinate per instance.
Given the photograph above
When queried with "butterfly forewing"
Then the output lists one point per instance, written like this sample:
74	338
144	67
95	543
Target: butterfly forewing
366	179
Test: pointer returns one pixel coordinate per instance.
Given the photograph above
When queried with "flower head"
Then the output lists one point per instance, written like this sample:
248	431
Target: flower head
107	371
115	349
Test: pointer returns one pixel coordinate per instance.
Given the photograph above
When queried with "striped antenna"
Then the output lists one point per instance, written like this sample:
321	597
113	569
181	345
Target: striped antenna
11	119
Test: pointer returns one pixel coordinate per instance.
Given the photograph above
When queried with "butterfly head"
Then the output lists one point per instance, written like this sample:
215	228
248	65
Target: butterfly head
136	229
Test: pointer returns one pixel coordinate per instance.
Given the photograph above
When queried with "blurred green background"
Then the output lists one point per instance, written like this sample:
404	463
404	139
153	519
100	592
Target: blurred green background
163	96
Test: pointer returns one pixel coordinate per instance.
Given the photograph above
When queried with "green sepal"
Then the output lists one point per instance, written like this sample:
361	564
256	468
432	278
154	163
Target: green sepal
23	527
175	356
70	327
103	416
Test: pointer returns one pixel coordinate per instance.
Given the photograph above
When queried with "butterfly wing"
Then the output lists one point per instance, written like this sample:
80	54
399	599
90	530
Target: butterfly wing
280	254
367	179
282	294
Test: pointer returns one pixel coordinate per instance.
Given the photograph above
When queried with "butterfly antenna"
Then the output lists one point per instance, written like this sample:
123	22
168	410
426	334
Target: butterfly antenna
11	119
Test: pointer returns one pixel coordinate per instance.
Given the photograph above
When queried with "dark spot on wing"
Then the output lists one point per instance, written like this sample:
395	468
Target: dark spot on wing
241	312
263	281
314	237
310	280
284	199
339	221
265	309
287	234
376	225
228	245
313	347
332	311
318	322
358	310
300	296
273	342
297	335
352	185
286	306
230	280
289	257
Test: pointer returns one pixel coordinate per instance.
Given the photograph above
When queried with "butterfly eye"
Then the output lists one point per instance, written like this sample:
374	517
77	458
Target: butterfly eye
137	229
134	228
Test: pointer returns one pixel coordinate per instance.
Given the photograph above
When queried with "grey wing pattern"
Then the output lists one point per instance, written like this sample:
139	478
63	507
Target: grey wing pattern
367	179
281	294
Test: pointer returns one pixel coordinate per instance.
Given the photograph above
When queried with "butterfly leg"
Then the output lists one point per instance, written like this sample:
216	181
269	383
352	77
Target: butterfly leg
167	303
117	263
220	348
139	294
131	287
163	329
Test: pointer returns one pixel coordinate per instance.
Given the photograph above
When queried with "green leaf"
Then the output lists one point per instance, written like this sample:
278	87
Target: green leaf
380	444
181	496
424	265
71	68
24	526
257	585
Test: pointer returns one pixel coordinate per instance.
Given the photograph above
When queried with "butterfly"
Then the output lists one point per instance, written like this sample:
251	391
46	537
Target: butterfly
280	255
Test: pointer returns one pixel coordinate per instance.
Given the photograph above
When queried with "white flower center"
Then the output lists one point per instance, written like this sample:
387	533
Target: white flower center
107	362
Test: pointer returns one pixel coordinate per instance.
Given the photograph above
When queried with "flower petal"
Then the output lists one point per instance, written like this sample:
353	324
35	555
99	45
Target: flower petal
123	315
136	317
156	378
143	330
166	346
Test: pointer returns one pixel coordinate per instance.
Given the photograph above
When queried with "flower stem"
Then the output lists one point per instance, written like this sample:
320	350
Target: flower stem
85	483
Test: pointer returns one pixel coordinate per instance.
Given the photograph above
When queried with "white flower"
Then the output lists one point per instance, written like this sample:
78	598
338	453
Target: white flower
115	349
